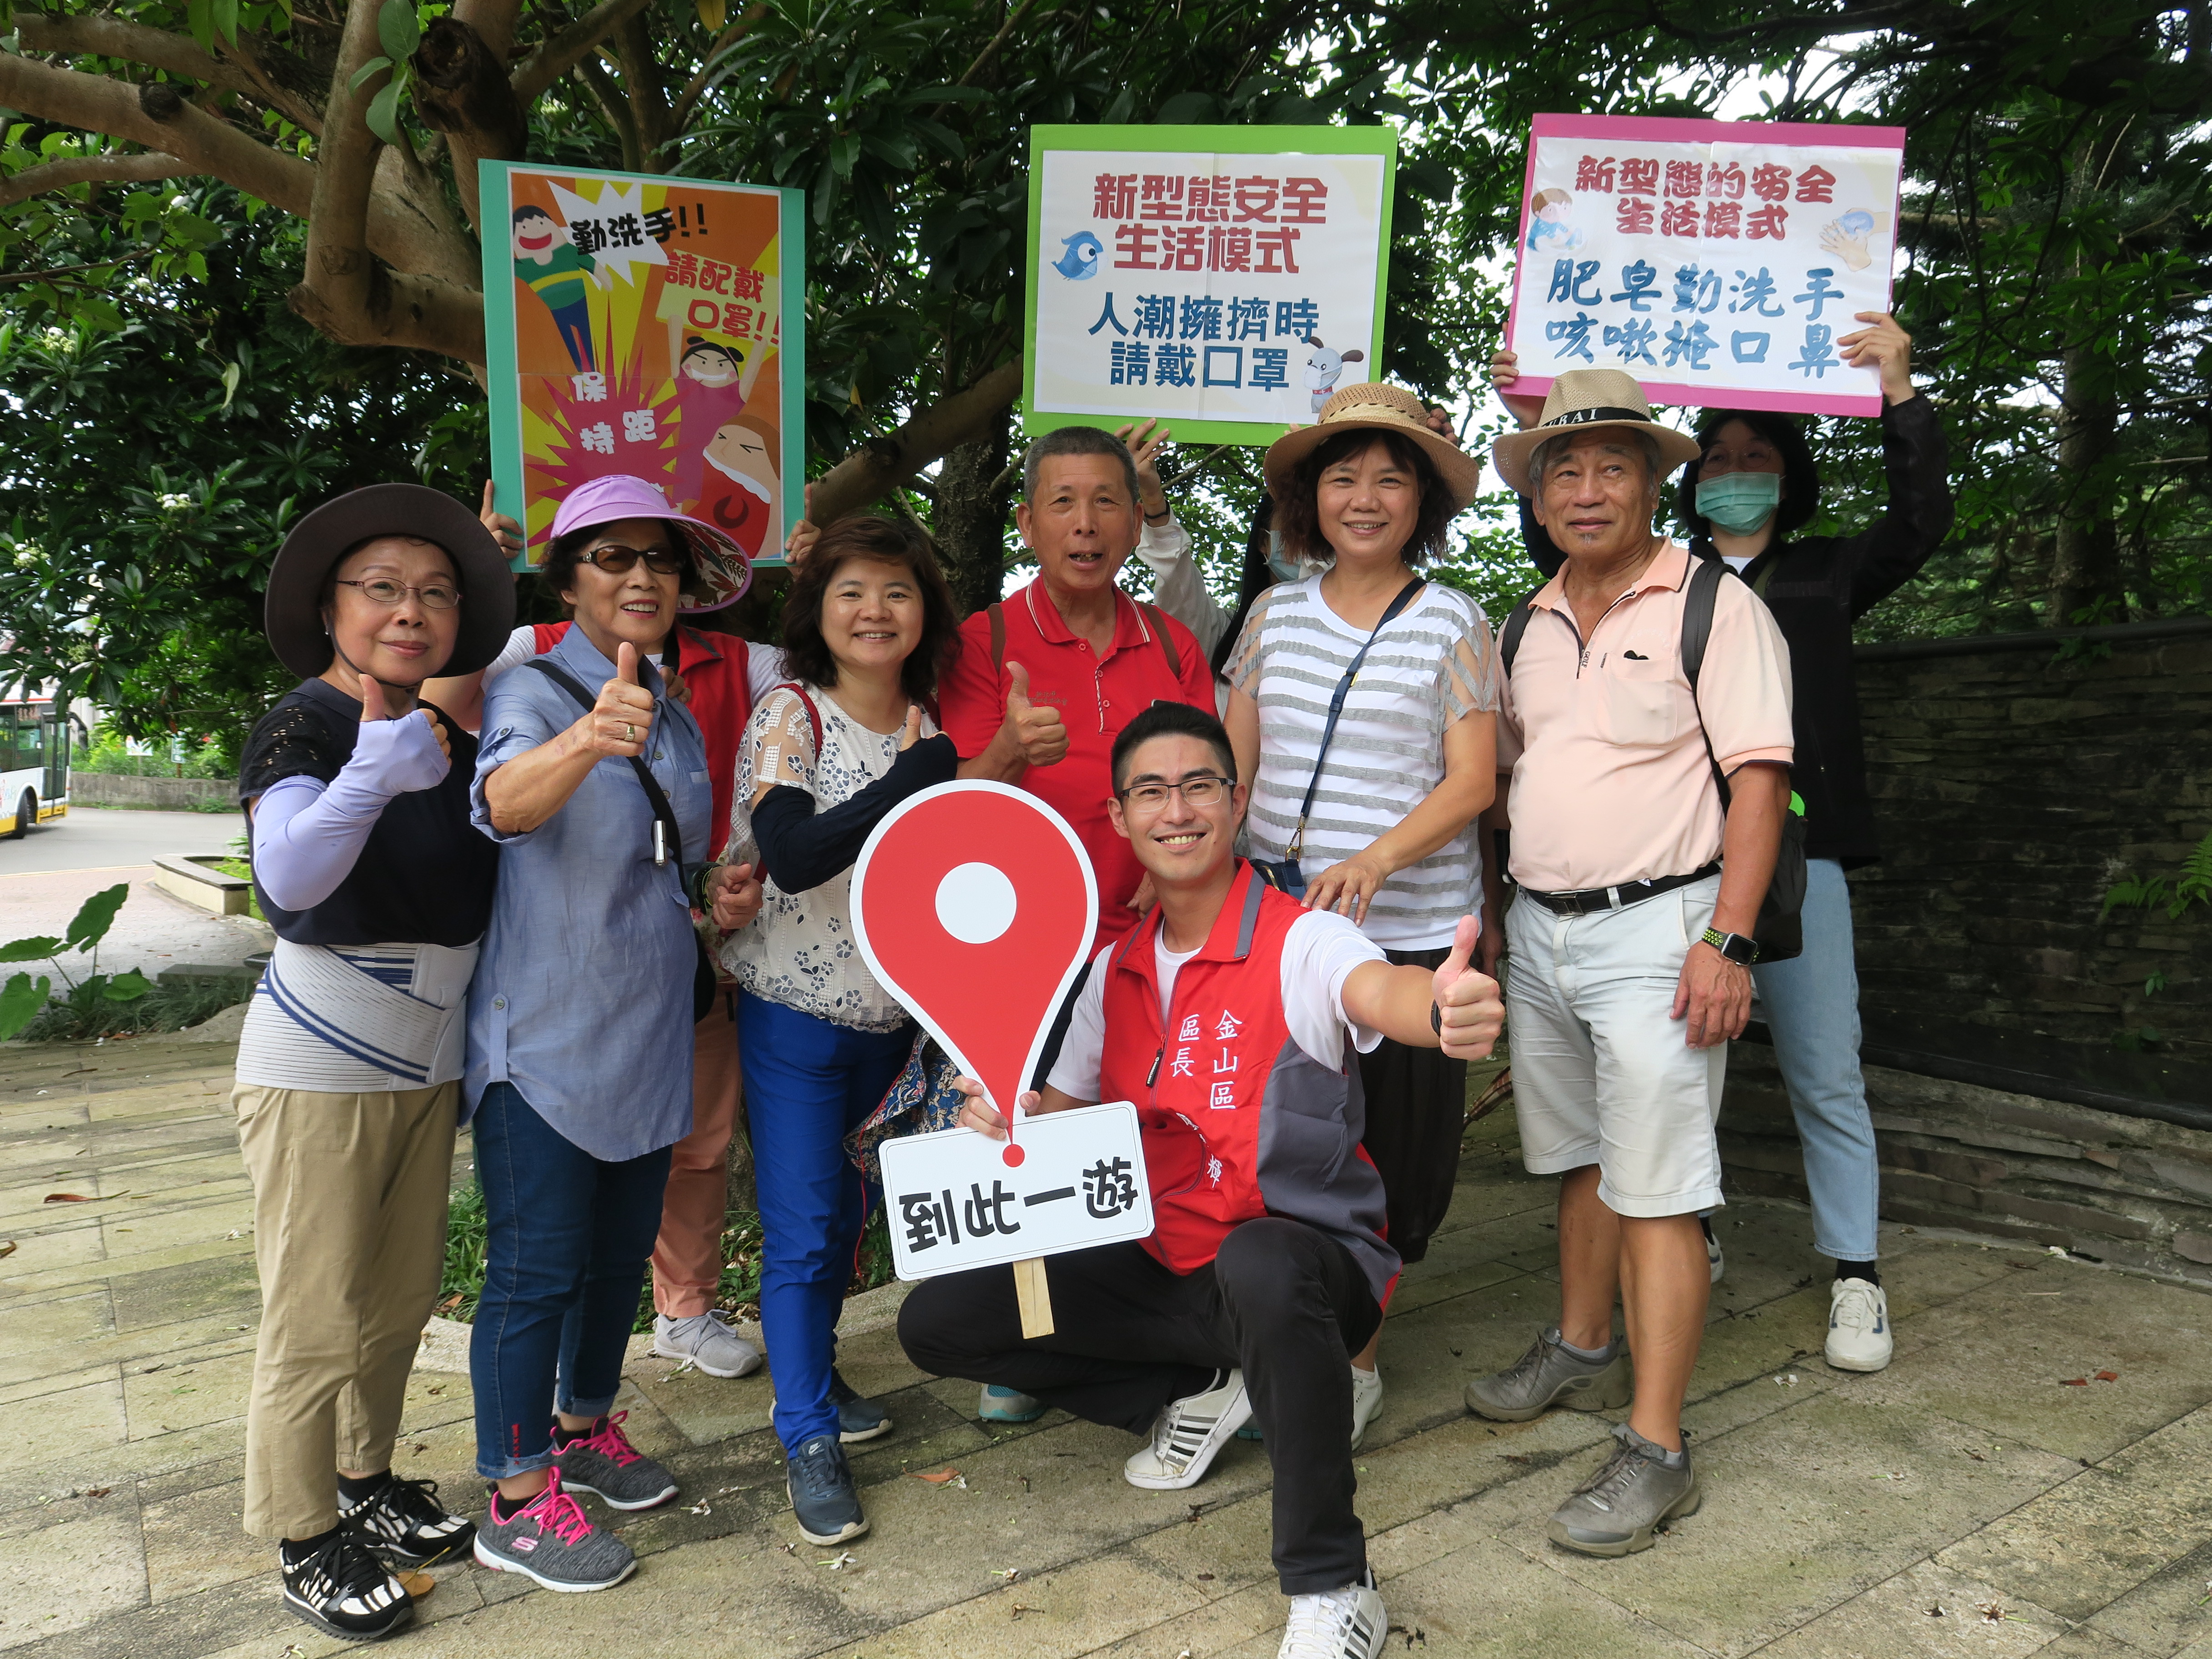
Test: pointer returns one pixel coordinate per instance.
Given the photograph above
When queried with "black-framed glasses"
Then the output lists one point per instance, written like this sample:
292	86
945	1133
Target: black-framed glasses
619	561
435	596
1195	791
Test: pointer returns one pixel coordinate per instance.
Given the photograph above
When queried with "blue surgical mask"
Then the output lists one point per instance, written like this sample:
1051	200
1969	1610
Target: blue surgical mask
1286	568
1739	503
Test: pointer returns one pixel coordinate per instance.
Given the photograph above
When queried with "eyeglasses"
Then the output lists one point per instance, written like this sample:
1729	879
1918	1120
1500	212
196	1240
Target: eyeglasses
1195	791
618	561
435	596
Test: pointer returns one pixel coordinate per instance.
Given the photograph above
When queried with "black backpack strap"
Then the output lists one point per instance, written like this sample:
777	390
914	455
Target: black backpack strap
1706	580
1517	624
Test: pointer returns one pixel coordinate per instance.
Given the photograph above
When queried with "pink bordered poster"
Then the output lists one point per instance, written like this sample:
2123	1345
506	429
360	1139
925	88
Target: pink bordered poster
1718	262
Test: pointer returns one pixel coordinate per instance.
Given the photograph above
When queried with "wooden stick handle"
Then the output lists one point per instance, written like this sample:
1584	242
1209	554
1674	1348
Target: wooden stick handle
1035	1296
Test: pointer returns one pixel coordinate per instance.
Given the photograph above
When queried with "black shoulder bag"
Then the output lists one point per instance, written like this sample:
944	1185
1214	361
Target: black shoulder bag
704	979
1780	930
1286	874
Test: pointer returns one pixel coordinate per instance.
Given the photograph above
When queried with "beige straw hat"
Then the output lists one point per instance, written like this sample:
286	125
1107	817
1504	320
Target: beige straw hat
1584	398
1379	407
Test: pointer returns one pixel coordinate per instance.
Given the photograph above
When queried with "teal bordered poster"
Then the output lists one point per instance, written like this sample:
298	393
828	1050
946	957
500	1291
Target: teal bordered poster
646	324
1225	279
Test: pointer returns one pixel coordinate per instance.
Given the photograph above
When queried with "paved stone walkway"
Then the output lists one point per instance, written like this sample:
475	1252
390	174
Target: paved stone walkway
1966	1502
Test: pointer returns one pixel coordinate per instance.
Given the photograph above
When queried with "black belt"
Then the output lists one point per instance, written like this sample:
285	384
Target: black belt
1592	899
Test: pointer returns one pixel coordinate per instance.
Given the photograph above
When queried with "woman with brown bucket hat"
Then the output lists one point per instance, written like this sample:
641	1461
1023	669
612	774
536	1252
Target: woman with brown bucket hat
1361	709
349	1066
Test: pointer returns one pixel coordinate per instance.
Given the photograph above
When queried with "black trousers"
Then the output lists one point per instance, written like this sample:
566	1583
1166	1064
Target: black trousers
1416	1115
1285	1302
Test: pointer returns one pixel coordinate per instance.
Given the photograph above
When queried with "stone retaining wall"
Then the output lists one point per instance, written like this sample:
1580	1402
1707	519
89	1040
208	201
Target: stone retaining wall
114	789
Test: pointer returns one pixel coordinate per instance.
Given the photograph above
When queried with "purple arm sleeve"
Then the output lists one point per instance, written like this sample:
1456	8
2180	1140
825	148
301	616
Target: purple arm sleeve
307	834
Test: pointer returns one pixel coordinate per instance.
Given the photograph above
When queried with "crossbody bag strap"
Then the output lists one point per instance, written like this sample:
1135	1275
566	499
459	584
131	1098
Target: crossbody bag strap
656	796
1158	619
1297	847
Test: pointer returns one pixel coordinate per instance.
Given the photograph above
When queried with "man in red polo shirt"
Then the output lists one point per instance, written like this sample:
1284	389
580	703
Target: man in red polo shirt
1074	642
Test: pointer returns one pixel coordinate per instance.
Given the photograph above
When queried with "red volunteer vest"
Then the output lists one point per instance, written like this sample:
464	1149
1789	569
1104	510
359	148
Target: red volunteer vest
1238	1120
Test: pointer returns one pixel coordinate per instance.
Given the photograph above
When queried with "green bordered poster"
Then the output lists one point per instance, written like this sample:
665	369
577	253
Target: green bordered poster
646	324
1223	279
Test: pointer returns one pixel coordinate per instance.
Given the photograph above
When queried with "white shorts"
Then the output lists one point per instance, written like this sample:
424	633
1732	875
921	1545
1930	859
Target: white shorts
1601	1072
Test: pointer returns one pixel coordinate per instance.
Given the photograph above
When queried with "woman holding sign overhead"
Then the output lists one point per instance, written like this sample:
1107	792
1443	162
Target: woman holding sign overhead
594	784
867	628
1363	712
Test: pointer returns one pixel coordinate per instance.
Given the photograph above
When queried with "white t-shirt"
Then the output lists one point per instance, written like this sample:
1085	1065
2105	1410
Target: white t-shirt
1319	953
1738	565
763	663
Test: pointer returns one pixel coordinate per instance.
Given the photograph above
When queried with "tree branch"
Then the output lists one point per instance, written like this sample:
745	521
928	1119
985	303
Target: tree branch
344	292
878	465
91	170
110	37
648	98
461	89
559	52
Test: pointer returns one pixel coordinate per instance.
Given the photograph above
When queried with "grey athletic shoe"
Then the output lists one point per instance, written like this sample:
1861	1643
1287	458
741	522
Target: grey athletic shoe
605	1464
551	1539
1547	1376
1616	1510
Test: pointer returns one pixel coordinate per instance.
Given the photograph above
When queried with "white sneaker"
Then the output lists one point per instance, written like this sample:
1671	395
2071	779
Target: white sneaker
1366	1401
1345	1624
1859	1325
708	1341
1187	1434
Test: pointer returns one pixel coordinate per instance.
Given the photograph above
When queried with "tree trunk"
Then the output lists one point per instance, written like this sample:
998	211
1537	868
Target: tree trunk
969	524
2086	572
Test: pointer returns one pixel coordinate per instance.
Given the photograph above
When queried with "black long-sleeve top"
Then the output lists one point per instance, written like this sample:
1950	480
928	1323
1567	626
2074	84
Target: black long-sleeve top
1817	587
803	848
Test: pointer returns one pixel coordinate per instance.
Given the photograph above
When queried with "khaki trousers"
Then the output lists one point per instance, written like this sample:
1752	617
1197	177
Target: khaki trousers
687	1258
349	1238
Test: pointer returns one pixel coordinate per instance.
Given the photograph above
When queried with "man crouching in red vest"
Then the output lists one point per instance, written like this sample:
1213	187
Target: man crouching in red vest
1225	1017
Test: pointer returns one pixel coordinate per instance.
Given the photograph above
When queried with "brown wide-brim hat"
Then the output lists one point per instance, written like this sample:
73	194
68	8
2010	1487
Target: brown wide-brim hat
1582	398
293	616
1376	406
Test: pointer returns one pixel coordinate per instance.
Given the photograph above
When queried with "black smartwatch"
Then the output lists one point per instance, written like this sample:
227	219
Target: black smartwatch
1437	1016
1735	946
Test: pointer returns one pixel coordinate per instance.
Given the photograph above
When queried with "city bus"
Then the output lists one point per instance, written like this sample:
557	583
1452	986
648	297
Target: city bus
34	763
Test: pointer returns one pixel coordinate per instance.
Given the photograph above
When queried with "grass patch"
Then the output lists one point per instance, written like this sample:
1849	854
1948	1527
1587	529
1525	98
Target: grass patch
164	1008
738	1293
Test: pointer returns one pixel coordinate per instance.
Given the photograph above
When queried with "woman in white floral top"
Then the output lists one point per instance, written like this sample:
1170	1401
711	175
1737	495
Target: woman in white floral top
867	626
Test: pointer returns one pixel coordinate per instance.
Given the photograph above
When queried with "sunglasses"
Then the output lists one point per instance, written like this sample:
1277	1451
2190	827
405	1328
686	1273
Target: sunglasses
619	561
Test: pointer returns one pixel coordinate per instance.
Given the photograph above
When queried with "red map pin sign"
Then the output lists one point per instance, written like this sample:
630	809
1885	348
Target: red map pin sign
972	904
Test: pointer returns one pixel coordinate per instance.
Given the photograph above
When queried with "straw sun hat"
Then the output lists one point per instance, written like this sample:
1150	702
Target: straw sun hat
1584	398
1375	406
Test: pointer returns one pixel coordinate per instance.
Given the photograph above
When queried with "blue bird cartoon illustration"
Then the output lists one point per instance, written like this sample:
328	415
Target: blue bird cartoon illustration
1080	261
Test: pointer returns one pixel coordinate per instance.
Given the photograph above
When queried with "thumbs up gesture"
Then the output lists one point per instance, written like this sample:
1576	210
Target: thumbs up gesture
621	721
912	733
402	755
1471	1010
1034	728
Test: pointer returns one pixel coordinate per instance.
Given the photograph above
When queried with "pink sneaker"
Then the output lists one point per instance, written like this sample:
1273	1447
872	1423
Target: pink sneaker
604	1463
551	1539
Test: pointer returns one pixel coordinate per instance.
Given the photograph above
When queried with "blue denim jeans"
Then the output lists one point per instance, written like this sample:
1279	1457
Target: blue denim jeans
568	1237
1811	1005
809	1082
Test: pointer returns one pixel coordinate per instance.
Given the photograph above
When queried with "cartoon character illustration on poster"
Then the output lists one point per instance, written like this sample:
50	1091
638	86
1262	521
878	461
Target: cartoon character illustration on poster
1549	225
1080	262
708	393
549	263
1846	237
743	475
1324	368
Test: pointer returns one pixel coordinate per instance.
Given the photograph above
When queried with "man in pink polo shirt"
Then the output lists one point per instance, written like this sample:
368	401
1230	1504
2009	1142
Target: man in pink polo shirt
1072	643
1631	931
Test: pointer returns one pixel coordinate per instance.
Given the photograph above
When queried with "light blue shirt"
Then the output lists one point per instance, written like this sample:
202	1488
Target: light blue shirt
582	996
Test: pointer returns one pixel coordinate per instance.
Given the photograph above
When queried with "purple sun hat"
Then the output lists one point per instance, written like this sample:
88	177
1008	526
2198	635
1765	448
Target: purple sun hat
723	566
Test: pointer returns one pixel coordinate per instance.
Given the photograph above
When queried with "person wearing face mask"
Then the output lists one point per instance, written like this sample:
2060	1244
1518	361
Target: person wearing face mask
1754	484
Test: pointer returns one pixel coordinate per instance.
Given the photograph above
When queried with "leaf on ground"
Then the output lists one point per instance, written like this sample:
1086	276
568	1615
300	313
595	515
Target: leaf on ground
2108	1377
7	1247
67	1198
2074	1382
938	1478
417	1584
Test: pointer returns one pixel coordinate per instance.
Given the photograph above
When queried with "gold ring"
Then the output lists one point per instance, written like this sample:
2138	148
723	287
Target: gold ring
629	733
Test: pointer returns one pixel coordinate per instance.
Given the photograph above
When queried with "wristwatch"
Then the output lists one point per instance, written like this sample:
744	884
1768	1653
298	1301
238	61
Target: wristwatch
1437	1017
1735	946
